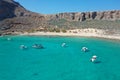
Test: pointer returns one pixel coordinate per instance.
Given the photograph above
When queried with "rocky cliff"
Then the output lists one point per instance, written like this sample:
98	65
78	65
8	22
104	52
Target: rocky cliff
82	16
14	17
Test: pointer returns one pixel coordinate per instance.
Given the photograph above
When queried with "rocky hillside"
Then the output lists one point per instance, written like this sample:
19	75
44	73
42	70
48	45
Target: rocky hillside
14	17
10	9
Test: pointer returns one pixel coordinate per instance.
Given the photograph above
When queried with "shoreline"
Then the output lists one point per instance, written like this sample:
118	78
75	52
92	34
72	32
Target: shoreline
89	32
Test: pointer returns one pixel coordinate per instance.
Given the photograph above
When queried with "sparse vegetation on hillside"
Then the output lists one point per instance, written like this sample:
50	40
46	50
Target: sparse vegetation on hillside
99	24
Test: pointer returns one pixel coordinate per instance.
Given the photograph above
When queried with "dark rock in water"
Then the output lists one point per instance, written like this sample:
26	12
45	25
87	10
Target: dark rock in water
35	74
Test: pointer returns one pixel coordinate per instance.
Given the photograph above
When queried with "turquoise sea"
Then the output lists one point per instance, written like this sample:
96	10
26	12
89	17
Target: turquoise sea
59	63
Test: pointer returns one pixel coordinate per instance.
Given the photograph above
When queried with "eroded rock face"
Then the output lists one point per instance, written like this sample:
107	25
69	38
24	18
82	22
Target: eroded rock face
82	16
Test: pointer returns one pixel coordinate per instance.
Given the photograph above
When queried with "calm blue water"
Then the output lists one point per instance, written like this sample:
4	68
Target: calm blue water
56	62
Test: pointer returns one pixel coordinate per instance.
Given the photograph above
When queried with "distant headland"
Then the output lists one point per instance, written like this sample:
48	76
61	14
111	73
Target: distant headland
14	18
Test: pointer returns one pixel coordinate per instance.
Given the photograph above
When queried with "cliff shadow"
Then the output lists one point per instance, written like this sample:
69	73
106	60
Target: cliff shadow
7	9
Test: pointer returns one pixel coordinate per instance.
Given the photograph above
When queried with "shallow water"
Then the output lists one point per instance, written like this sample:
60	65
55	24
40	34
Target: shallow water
56	62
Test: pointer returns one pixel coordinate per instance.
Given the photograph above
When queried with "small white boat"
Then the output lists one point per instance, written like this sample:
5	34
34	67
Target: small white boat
9	39
85	49
93	59
63	45
23	47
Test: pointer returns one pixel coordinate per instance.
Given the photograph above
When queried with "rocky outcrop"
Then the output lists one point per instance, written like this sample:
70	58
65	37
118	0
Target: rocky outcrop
82	16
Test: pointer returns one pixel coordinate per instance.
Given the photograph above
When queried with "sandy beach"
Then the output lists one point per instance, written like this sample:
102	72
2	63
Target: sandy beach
77	32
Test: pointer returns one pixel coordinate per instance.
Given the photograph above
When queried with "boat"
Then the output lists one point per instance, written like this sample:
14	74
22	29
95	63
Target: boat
9	39
38	46
93	59
63	44
85	49
23	47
